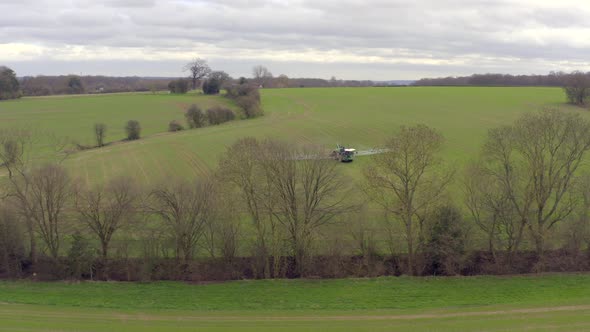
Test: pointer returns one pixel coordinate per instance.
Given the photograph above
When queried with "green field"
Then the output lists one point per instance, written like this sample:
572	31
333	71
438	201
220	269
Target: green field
535	303
359	117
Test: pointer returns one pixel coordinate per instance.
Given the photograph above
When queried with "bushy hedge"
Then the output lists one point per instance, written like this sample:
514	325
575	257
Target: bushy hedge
217	115
195	117
133	130
211	86
248	99
178	86
175	126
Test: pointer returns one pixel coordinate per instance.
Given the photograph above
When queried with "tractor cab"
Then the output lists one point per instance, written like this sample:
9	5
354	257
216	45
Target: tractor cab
343	154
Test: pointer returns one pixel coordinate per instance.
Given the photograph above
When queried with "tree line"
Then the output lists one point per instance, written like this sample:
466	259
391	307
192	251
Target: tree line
273	209
74	84
201	76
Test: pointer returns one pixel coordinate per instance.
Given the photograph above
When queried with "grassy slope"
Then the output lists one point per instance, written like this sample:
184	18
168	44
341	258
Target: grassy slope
425	304
74	116
360	117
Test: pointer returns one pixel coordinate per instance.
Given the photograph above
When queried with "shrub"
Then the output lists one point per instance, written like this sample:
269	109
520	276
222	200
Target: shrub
178	86
80	257
217	115
12	250
211	86
248	99
577	88
175	126
195	117
445	245
250	106
133	130
9	85
243	90
75	85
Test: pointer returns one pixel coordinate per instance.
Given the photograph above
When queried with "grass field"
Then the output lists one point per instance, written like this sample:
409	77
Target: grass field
360	117
535	303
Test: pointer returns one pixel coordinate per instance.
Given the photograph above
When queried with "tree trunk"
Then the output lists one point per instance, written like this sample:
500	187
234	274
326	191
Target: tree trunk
410	240
33	247
104	257
105	250
491	246
517	241
540	245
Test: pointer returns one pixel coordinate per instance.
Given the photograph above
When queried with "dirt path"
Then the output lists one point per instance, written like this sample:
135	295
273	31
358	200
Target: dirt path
31	312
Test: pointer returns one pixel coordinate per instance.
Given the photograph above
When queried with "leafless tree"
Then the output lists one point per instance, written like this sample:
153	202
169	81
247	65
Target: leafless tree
49	190
241	166
100	130
362	233
11	241
578	229
262	75
186	209
535	161
16	146
15	152
15	149
107	208
492	211
223	236
282	81
407	179
221	77
198	69
308	193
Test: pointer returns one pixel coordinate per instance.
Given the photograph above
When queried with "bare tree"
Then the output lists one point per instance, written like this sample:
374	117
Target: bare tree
15	151
198	69
49	190
407	179
282	81
241	166
26	184
578	229
262	75
492	211
185	209
308	193
535	160
223	236
100	130
15	148
11	241
107	208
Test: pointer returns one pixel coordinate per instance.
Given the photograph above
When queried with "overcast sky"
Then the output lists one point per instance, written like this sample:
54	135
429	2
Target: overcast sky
371	39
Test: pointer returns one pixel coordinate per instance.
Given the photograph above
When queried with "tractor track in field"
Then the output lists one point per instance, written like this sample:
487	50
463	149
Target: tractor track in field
144	316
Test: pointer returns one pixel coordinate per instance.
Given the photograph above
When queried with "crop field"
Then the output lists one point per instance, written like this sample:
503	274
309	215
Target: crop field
532	303
359	117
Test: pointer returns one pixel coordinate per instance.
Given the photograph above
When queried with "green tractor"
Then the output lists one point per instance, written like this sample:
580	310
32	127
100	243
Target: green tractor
343	154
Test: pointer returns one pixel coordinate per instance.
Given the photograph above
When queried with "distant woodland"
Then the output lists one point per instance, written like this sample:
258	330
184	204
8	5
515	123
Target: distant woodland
59	85
552	79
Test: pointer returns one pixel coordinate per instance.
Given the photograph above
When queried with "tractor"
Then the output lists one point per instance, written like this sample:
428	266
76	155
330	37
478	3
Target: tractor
343	154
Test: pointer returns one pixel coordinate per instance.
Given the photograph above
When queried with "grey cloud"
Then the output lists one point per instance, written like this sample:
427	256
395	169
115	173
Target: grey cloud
472	31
